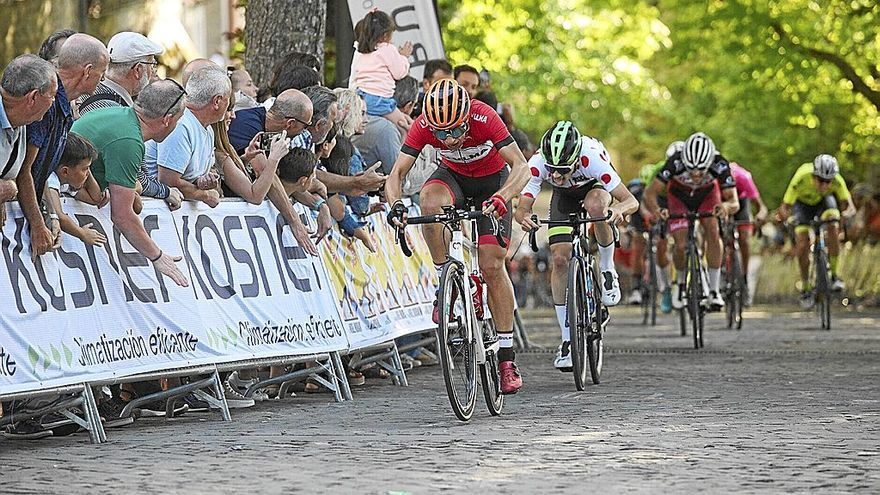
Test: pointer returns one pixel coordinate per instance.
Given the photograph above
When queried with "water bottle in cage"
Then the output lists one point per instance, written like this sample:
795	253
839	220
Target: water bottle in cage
477	295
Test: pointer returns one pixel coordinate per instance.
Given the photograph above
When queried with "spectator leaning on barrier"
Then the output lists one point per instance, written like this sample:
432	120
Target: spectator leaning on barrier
82	62
236	179
184	159
27	90
118	134
290	112
381	139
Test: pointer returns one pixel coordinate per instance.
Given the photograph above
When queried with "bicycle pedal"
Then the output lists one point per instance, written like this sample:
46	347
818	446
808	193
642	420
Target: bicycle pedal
565	370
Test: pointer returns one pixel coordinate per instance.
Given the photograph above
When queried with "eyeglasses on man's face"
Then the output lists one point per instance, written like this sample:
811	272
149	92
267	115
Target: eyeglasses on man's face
454	133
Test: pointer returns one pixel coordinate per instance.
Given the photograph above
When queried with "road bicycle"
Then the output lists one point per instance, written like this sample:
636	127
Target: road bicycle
587	316
697	276
466	335
822	272
733	275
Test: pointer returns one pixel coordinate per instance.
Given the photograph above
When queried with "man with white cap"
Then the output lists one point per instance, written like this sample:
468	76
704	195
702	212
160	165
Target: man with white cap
132	66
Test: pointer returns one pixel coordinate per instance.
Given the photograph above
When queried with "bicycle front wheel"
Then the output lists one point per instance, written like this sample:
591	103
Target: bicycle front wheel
455	338
595	347
823	290
578	320
695	296
489	376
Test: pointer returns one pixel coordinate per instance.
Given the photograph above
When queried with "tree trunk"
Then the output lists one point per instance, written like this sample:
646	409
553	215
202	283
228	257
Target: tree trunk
274	28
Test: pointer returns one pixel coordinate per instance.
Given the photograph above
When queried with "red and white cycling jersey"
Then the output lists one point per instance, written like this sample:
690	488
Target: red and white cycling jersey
594	165
478	155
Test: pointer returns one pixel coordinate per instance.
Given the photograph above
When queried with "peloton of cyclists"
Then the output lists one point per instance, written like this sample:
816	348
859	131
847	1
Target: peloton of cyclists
697	179
579	169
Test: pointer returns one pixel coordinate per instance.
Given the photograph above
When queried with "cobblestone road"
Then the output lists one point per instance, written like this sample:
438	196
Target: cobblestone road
779	406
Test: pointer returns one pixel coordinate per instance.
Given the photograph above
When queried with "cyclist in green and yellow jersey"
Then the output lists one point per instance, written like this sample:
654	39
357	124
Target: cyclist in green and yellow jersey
816	190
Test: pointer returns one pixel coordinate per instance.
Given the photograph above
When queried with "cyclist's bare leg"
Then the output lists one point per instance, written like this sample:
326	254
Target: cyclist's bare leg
745	236
596	203
500	289
433	198
560	254
638	243
712	240
832	239
663	263
678	260
802	250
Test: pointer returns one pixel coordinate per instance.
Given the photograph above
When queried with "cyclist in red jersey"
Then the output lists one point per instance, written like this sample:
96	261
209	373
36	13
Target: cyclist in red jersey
480	160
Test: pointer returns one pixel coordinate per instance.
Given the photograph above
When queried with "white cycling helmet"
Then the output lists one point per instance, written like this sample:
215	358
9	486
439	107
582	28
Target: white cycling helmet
825	167
674	148
698	152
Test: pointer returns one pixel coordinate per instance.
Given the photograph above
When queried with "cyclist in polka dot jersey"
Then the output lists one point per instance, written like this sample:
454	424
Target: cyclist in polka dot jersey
579	169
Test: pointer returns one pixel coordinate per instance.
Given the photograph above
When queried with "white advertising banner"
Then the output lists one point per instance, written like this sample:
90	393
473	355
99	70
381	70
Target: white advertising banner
87	313
416	22
259	293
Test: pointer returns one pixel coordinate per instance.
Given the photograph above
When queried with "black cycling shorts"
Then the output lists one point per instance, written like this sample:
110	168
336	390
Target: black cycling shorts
478	189
804	213
562	204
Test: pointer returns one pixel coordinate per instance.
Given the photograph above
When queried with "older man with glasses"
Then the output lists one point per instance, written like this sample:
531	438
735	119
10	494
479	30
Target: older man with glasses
118	135
82	62
27	90
132	66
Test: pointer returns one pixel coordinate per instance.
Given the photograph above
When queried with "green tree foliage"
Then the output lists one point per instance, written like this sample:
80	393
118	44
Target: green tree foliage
775	83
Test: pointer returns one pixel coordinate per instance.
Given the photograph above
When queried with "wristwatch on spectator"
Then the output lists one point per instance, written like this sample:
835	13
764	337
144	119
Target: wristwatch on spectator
318	204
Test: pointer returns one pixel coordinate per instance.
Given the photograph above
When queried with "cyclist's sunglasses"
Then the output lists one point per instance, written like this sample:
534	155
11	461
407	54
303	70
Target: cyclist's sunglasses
454	133
823	181
559	169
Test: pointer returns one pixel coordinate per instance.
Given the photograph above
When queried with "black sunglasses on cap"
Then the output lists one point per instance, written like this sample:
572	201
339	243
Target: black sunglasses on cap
180	97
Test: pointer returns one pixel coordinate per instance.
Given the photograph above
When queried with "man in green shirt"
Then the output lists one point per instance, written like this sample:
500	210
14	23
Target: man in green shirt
118	134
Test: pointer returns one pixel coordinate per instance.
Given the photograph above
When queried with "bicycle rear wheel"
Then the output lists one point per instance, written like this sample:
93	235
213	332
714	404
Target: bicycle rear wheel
455	338
823	290
578	320
489	376
595	347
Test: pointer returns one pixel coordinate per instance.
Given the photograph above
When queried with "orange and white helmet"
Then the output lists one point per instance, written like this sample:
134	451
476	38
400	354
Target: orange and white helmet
446	105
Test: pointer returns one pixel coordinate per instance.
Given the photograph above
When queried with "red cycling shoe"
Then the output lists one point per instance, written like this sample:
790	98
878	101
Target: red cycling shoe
511	382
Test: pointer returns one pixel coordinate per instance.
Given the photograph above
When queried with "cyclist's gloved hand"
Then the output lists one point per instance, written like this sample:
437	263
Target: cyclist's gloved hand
498	204
397	212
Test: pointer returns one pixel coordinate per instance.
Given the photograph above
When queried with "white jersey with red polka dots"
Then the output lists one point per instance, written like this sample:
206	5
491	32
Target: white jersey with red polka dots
594	165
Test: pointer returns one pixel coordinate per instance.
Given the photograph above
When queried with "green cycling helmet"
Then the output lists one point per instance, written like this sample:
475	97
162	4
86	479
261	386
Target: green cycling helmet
561	146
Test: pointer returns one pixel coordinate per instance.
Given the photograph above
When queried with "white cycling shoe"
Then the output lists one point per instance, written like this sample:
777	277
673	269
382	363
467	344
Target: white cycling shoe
678	295
563	357
610	288
635	298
